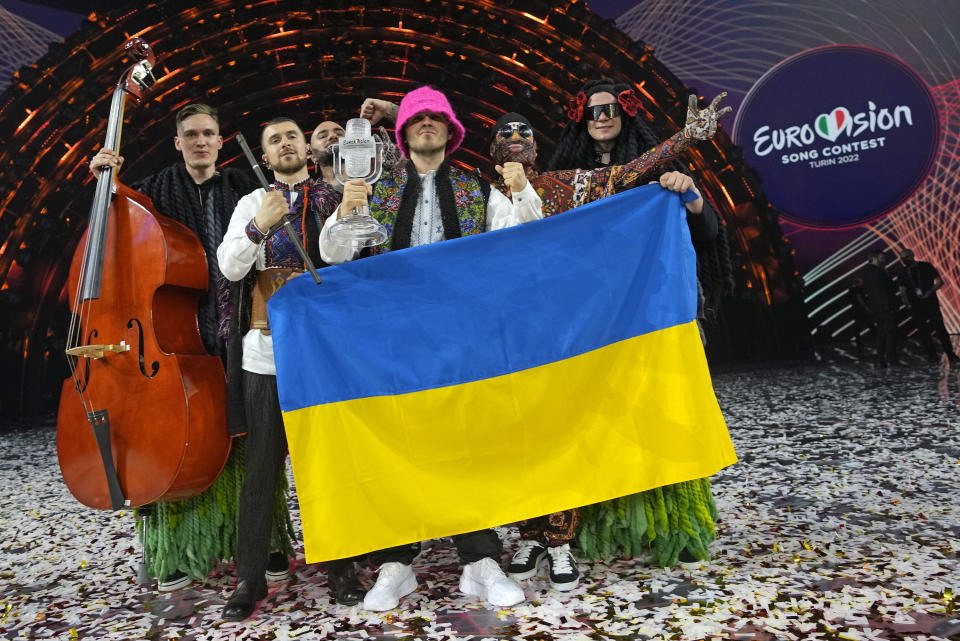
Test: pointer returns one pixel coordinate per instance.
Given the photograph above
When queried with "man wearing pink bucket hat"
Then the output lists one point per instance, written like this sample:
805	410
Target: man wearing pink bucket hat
427	201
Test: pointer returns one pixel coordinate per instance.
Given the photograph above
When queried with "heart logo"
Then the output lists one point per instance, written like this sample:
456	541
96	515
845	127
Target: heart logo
830	125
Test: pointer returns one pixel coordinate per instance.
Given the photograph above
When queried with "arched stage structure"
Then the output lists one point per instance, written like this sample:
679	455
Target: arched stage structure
258	59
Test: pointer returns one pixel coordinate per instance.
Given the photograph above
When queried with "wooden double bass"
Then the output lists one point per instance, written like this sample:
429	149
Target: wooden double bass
143	416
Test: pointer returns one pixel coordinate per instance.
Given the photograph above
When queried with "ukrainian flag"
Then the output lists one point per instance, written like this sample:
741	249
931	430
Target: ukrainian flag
488	379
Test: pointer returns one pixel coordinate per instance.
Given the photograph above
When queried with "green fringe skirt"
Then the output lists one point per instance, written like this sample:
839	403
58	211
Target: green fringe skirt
194	534
664	520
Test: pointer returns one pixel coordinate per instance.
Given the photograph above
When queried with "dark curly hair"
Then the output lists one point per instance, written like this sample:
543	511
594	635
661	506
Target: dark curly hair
575	146
575	151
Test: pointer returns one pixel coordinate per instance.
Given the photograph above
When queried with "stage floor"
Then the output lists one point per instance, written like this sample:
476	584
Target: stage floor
841	521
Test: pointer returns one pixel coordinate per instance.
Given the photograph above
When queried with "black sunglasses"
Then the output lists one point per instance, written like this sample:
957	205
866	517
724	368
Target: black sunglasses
611	109
521	128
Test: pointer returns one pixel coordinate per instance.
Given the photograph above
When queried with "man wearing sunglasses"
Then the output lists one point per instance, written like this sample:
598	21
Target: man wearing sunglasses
513	140
606	129
426	201
546	539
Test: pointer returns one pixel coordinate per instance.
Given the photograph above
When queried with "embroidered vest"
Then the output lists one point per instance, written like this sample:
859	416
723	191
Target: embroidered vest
467	195
315	202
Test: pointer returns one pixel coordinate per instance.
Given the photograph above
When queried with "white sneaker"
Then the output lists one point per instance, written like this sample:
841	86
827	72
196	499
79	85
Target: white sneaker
485	579
394	581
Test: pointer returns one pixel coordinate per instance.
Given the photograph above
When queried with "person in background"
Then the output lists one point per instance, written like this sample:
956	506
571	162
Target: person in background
881	299
325	134
919	282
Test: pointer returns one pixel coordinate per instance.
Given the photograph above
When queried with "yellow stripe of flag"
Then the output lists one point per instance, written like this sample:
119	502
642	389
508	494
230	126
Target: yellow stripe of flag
459	458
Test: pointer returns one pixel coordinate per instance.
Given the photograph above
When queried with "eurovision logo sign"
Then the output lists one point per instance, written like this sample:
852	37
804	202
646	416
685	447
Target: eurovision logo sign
841	135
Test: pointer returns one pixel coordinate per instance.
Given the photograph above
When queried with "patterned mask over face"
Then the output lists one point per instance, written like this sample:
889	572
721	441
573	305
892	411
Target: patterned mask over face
514	142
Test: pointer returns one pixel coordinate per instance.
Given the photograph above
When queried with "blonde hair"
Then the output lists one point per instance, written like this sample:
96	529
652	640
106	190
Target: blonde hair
196	109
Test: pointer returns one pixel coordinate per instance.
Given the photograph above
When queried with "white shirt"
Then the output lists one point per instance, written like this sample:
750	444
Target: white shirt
237	254
502	212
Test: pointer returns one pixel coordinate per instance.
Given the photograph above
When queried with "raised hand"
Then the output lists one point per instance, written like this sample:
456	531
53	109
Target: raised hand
702	123
514	176
392	158
375	110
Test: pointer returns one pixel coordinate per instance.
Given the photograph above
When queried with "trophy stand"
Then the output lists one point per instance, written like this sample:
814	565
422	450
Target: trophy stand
358	155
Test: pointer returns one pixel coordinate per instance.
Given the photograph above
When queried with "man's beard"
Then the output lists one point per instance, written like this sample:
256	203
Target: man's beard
290	164
324	158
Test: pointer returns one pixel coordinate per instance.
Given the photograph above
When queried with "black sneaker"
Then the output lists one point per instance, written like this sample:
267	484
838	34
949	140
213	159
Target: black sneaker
526	559
243	601
564	573
278	567
174	581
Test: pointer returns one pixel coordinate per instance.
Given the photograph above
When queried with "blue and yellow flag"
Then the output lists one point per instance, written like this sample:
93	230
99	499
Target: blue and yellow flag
484	380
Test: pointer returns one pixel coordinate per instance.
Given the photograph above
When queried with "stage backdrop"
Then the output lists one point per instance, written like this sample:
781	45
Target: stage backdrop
732	45
317	61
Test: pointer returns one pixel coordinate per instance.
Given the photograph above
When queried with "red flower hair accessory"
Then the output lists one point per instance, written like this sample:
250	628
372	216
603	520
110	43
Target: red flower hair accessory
575	112
629	102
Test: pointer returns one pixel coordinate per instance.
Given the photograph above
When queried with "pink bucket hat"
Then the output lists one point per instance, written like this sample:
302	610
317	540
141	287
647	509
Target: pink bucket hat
427	99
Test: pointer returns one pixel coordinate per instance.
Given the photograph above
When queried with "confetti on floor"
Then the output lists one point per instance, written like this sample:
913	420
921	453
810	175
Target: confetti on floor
841	521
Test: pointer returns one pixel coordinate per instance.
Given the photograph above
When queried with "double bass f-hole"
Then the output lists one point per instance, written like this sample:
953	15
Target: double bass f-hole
155	366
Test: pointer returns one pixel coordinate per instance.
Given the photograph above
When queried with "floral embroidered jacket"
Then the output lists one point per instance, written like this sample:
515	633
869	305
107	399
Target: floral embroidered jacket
568	188
467	193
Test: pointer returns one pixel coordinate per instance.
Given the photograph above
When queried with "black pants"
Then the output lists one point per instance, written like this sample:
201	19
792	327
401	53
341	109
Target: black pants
886	332
266	451
929	321
472	546
862	321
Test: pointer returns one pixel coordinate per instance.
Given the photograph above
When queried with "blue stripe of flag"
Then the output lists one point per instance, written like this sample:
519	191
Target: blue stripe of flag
482	306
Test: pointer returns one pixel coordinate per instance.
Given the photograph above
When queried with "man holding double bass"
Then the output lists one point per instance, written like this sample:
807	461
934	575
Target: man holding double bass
201	196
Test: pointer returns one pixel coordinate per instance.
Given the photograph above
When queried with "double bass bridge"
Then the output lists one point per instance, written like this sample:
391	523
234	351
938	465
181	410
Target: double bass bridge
97	351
